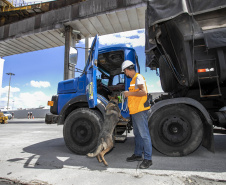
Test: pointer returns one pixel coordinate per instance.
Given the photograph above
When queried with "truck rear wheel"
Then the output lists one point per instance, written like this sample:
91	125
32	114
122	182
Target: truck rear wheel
176	130
81	130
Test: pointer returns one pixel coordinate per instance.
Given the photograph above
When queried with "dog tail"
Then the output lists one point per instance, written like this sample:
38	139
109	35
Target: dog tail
98	150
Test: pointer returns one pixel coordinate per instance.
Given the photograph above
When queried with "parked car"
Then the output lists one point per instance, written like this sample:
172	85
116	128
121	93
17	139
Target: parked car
8	114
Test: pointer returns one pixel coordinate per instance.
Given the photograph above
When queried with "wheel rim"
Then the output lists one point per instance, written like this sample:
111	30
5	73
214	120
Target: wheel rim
175	131
81	132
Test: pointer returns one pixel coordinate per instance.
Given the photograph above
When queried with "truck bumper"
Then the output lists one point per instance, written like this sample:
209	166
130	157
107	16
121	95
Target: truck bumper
51	118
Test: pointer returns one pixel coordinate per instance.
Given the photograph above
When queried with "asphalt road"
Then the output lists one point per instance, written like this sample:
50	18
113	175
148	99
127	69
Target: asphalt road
34	153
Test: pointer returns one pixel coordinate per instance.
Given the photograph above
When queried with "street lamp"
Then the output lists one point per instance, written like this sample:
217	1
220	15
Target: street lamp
9	88
13	104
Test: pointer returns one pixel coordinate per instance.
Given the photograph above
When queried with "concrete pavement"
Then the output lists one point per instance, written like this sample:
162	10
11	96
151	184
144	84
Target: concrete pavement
34	153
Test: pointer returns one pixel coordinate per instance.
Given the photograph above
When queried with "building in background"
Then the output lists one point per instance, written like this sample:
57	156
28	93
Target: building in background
1	75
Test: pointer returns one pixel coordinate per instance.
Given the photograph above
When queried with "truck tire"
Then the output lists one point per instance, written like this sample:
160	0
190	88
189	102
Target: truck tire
168	80
81	130
176	130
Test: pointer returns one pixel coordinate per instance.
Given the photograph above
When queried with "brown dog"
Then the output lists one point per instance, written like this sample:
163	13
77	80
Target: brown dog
106	143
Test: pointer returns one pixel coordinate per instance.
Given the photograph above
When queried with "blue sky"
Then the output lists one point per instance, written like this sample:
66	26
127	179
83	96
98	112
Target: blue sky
37	73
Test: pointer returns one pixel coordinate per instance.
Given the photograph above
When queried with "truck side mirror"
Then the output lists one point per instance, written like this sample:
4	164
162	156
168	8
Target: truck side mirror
73	56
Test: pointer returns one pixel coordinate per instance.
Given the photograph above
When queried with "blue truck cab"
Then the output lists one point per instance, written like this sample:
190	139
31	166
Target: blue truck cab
80	102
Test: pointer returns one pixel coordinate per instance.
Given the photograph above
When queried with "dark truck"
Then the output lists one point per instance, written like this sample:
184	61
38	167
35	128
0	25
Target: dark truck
186	40
80	102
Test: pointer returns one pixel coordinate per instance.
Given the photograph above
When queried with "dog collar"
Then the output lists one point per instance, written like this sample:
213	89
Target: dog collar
113	102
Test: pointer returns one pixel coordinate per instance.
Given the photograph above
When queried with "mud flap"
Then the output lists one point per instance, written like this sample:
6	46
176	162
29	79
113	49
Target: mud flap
208	138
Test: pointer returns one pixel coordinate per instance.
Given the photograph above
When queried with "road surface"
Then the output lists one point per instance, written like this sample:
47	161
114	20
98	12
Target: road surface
34	153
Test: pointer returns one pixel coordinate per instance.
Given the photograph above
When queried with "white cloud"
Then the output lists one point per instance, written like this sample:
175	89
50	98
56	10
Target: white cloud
154	87
4	95
150	87
31	100
27	100
133	38
39	84
5	89
158	83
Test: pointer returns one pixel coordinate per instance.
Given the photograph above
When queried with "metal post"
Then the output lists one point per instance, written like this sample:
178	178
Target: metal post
86	50
9	88
66	51
1	73
71	66
70	40
13	105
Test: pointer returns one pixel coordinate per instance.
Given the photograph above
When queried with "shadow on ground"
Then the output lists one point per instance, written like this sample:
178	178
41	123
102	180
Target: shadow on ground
53	154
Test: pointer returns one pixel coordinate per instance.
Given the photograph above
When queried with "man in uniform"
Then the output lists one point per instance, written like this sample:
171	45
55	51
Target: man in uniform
138	107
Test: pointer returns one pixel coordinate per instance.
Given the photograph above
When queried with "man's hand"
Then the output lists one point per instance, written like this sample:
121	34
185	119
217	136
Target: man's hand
126	94
142	92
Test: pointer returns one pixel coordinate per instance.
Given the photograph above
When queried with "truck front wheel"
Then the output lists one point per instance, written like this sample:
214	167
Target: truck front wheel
176	130
81	130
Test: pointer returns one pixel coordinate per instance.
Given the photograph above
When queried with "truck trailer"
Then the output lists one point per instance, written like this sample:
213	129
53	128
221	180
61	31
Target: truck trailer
186	41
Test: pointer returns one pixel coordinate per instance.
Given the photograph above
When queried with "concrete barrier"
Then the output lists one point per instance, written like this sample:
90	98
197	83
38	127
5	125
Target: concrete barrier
37	113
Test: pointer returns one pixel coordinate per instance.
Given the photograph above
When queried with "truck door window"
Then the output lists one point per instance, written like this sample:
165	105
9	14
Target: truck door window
105	81
103	77
102	83
118	79
117	84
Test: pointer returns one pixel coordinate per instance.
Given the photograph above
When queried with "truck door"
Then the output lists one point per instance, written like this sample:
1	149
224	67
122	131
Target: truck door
91	82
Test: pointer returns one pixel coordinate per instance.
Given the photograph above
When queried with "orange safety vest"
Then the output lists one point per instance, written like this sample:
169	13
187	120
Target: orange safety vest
135	103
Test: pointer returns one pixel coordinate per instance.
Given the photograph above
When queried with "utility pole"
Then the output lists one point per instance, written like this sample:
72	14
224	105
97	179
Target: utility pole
9	88
13	104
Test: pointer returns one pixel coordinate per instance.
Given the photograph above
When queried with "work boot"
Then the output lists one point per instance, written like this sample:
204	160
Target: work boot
145	164
134	158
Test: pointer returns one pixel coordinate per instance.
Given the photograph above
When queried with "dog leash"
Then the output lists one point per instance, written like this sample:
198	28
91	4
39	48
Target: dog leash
123	101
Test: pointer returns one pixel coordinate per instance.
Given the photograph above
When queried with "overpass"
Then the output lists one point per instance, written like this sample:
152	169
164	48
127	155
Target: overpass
68	24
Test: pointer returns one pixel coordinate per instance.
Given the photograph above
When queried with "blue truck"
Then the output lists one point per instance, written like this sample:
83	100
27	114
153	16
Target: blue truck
80	102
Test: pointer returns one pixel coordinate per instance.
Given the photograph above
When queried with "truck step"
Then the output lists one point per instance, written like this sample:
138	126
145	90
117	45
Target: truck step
123	126
124	123
120	138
